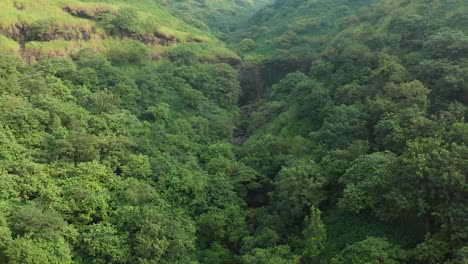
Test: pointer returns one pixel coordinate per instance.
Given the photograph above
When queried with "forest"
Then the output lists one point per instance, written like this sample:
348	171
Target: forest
234	132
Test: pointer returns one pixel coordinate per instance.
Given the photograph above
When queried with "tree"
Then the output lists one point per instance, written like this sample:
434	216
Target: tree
435	171
297	188
342	125
314	234
372	250
124	22
138	166
397	97
24	250
372	183
128	52
275	255
447	44
5	232
102	243
217	254
36	222
247	45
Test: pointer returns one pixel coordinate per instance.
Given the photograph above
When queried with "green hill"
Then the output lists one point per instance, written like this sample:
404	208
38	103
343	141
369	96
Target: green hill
57	28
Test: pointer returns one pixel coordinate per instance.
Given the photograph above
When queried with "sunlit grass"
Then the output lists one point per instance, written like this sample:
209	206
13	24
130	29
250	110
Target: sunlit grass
8	45
25	11
152	18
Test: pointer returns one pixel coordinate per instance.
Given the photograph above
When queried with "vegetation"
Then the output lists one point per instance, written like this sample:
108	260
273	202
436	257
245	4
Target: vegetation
330	132
221	17
372	133
55	27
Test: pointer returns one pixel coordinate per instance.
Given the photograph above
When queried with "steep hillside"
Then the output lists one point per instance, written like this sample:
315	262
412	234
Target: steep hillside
359	144
286	30
115	136
139	29
221	17
286	36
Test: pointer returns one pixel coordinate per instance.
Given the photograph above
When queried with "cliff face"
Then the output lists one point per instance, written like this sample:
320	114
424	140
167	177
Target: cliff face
46	31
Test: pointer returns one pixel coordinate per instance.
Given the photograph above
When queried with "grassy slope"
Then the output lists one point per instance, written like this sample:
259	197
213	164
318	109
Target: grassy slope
153	18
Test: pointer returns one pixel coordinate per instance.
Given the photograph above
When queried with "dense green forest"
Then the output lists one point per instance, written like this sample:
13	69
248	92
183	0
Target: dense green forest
225	132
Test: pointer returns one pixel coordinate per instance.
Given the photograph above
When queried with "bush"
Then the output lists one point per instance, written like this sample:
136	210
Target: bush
128	51
125	22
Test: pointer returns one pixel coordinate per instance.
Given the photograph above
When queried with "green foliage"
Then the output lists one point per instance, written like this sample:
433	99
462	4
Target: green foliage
217	254
129	51
447	44
370	250
297	187
349	142
367	183
29	251
314	234
247	45
220	17
103	245
380	114
342	125
138	166
84	179
39	30
126	21
276	255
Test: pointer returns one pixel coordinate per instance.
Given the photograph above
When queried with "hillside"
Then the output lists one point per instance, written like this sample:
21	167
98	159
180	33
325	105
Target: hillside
291	29
225	132
115	131
222	17
361	114
58	28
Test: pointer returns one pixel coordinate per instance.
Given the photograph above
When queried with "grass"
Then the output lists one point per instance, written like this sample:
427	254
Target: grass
9	45
152	18
25	11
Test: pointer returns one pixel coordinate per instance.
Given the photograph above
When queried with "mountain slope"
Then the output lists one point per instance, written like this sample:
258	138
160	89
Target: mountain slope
221	17
51	27
115	136
363	118
297	28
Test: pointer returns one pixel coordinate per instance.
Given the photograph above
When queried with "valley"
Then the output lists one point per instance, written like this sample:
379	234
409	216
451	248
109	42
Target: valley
218	131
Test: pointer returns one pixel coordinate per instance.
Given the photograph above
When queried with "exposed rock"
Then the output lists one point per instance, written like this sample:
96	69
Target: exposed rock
166	36
229	60
42	31
15	32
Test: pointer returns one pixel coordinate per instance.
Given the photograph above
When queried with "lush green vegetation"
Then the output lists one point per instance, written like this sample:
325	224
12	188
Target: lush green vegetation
129	134
373	133
222	17
100	165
